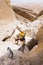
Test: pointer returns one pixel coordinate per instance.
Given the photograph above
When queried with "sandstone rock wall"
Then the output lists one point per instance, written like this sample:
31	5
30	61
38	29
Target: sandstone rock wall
7	17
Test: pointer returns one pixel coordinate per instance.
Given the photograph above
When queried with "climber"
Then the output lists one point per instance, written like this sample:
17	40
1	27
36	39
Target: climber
20	40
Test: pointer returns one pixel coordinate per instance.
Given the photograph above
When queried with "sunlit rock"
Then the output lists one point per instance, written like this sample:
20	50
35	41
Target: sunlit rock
36	55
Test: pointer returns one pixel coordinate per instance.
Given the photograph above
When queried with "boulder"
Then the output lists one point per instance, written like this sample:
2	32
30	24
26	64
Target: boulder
33	57
7	19
26	13
19	58
39	35
36	55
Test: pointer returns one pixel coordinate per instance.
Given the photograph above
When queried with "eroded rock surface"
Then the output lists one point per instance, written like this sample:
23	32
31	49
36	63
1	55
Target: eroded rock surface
8	26
19	58
7	18
39	35
36	55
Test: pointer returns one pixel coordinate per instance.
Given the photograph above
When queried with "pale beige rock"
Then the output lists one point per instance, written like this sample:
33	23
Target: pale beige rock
39	35
36	55
6	12
7	19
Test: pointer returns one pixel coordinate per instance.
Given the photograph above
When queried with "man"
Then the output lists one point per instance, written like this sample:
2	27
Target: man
20	40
